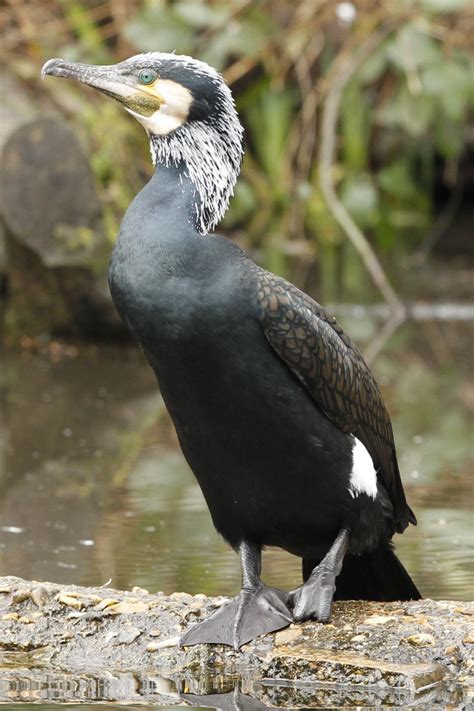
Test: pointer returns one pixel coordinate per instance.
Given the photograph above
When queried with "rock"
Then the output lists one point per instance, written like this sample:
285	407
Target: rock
70	601
420	640
106	602
180	597
40	596
129	607
49	200
128	635
57	254
379	620
73	652
53	249
25	620
11	616
20	596
348	667
164	644
287	636
17	108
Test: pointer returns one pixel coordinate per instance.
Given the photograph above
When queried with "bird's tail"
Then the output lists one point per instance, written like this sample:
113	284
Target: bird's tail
377	575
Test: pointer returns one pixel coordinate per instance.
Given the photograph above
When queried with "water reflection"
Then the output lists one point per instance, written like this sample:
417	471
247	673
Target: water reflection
93	486
118	690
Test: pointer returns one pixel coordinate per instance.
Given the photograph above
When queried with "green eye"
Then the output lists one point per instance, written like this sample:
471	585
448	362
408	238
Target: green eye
147	76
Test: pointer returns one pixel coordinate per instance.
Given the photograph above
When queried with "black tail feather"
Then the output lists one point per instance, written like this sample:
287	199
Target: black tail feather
377	575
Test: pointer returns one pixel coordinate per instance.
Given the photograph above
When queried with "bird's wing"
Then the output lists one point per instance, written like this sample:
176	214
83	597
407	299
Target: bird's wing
333	370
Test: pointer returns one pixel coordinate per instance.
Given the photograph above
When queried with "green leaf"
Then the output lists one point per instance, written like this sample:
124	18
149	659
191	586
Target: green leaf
91	43
216	51
201	15
157	29
269	119
360	197
444	5
396	180
355	126
449	139
374	66
243	204
241	37
414	114
252	32
384	229
411	47
452	83
321	221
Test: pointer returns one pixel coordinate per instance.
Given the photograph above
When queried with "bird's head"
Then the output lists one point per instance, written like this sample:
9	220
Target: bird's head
188	112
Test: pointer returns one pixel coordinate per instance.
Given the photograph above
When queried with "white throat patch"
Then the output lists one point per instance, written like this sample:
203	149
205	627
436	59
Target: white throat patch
172	113
363	478
212	165
211	148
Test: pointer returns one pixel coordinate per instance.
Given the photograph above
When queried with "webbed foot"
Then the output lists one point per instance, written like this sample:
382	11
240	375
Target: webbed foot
253	612
313	600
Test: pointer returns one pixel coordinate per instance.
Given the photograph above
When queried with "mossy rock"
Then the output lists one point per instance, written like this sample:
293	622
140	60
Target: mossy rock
56	248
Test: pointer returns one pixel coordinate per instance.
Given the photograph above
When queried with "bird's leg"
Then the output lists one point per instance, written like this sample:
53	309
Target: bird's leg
313	600
258	609
261	609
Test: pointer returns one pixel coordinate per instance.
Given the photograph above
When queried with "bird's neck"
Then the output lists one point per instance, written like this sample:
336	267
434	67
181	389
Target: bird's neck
157	243
209	160
163	217
174	196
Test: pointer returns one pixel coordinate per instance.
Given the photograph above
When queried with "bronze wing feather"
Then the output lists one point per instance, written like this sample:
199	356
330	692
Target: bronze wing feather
333	370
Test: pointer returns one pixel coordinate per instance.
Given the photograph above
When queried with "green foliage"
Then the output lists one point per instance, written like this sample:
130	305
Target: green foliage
208	30
360	196
355	127
430	95
402	111
432	90
153	28
443	6
269	116
91	45
113	158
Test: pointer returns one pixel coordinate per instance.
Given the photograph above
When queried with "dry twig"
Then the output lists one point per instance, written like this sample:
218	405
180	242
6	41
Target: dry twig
345	68
348	65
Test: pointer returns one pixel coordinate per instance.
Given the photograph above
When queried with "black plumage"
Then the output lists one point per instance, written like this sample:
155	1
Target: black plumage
275	409
333	370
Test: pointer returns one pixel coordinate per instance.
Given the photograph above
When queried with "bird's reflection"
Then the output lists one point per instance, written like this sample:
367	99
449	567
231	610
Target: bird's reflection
232	701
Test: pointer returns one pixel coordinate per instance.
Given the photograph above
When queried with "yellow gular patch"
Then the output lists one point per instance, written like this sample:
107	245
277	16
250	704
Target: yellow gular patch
174	101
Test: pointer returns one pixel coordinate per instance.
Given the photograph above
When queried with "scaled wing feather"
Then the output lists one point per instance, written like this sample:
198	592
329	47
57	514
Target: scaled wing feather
334	372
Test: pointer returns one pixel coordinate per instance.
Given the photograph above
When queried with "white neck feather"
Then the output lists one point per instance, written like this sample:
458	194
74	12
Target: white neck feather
212	154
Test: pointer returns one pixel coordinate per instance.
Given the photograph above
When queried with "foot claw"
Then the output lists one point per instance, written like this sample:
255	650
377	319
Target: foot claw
313	600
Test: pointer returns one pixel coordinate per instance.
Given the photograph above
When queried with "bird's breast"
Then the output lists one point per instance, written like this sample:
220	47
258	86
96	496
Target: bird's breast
178	304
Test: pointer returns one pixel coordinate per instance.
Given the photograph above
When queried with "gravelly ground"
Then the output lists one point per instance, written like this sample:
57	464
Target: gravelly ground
65	643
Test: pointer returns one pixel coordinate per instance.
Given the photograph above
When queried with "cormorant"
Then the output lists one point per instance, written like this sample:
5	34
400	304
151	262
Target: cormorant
276	411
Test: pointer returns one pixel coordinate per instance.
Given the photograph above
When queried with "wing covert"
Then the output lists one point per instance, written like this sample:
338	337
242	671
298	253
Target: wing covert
333	370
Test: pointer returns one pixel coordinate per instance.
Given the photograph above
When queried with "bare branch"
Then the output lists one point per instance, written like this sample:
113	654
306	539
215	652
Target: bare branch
345	68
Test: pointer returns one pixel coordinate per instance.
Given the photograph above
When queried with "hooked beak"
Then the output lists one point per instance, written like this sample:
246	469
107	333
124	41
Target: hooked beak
105	78
111	80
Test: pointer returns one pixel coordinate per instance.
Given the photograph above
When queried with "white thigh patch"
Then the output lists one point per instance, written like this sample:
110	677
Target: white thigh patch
363	478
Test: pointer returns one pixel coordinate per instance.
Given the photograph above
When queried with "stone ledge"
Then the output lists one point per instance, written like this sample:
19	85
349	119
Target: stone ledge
74	643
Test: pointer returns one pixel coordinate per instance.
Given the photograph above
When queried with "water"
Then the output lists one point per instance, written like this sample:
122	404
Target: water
93	487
